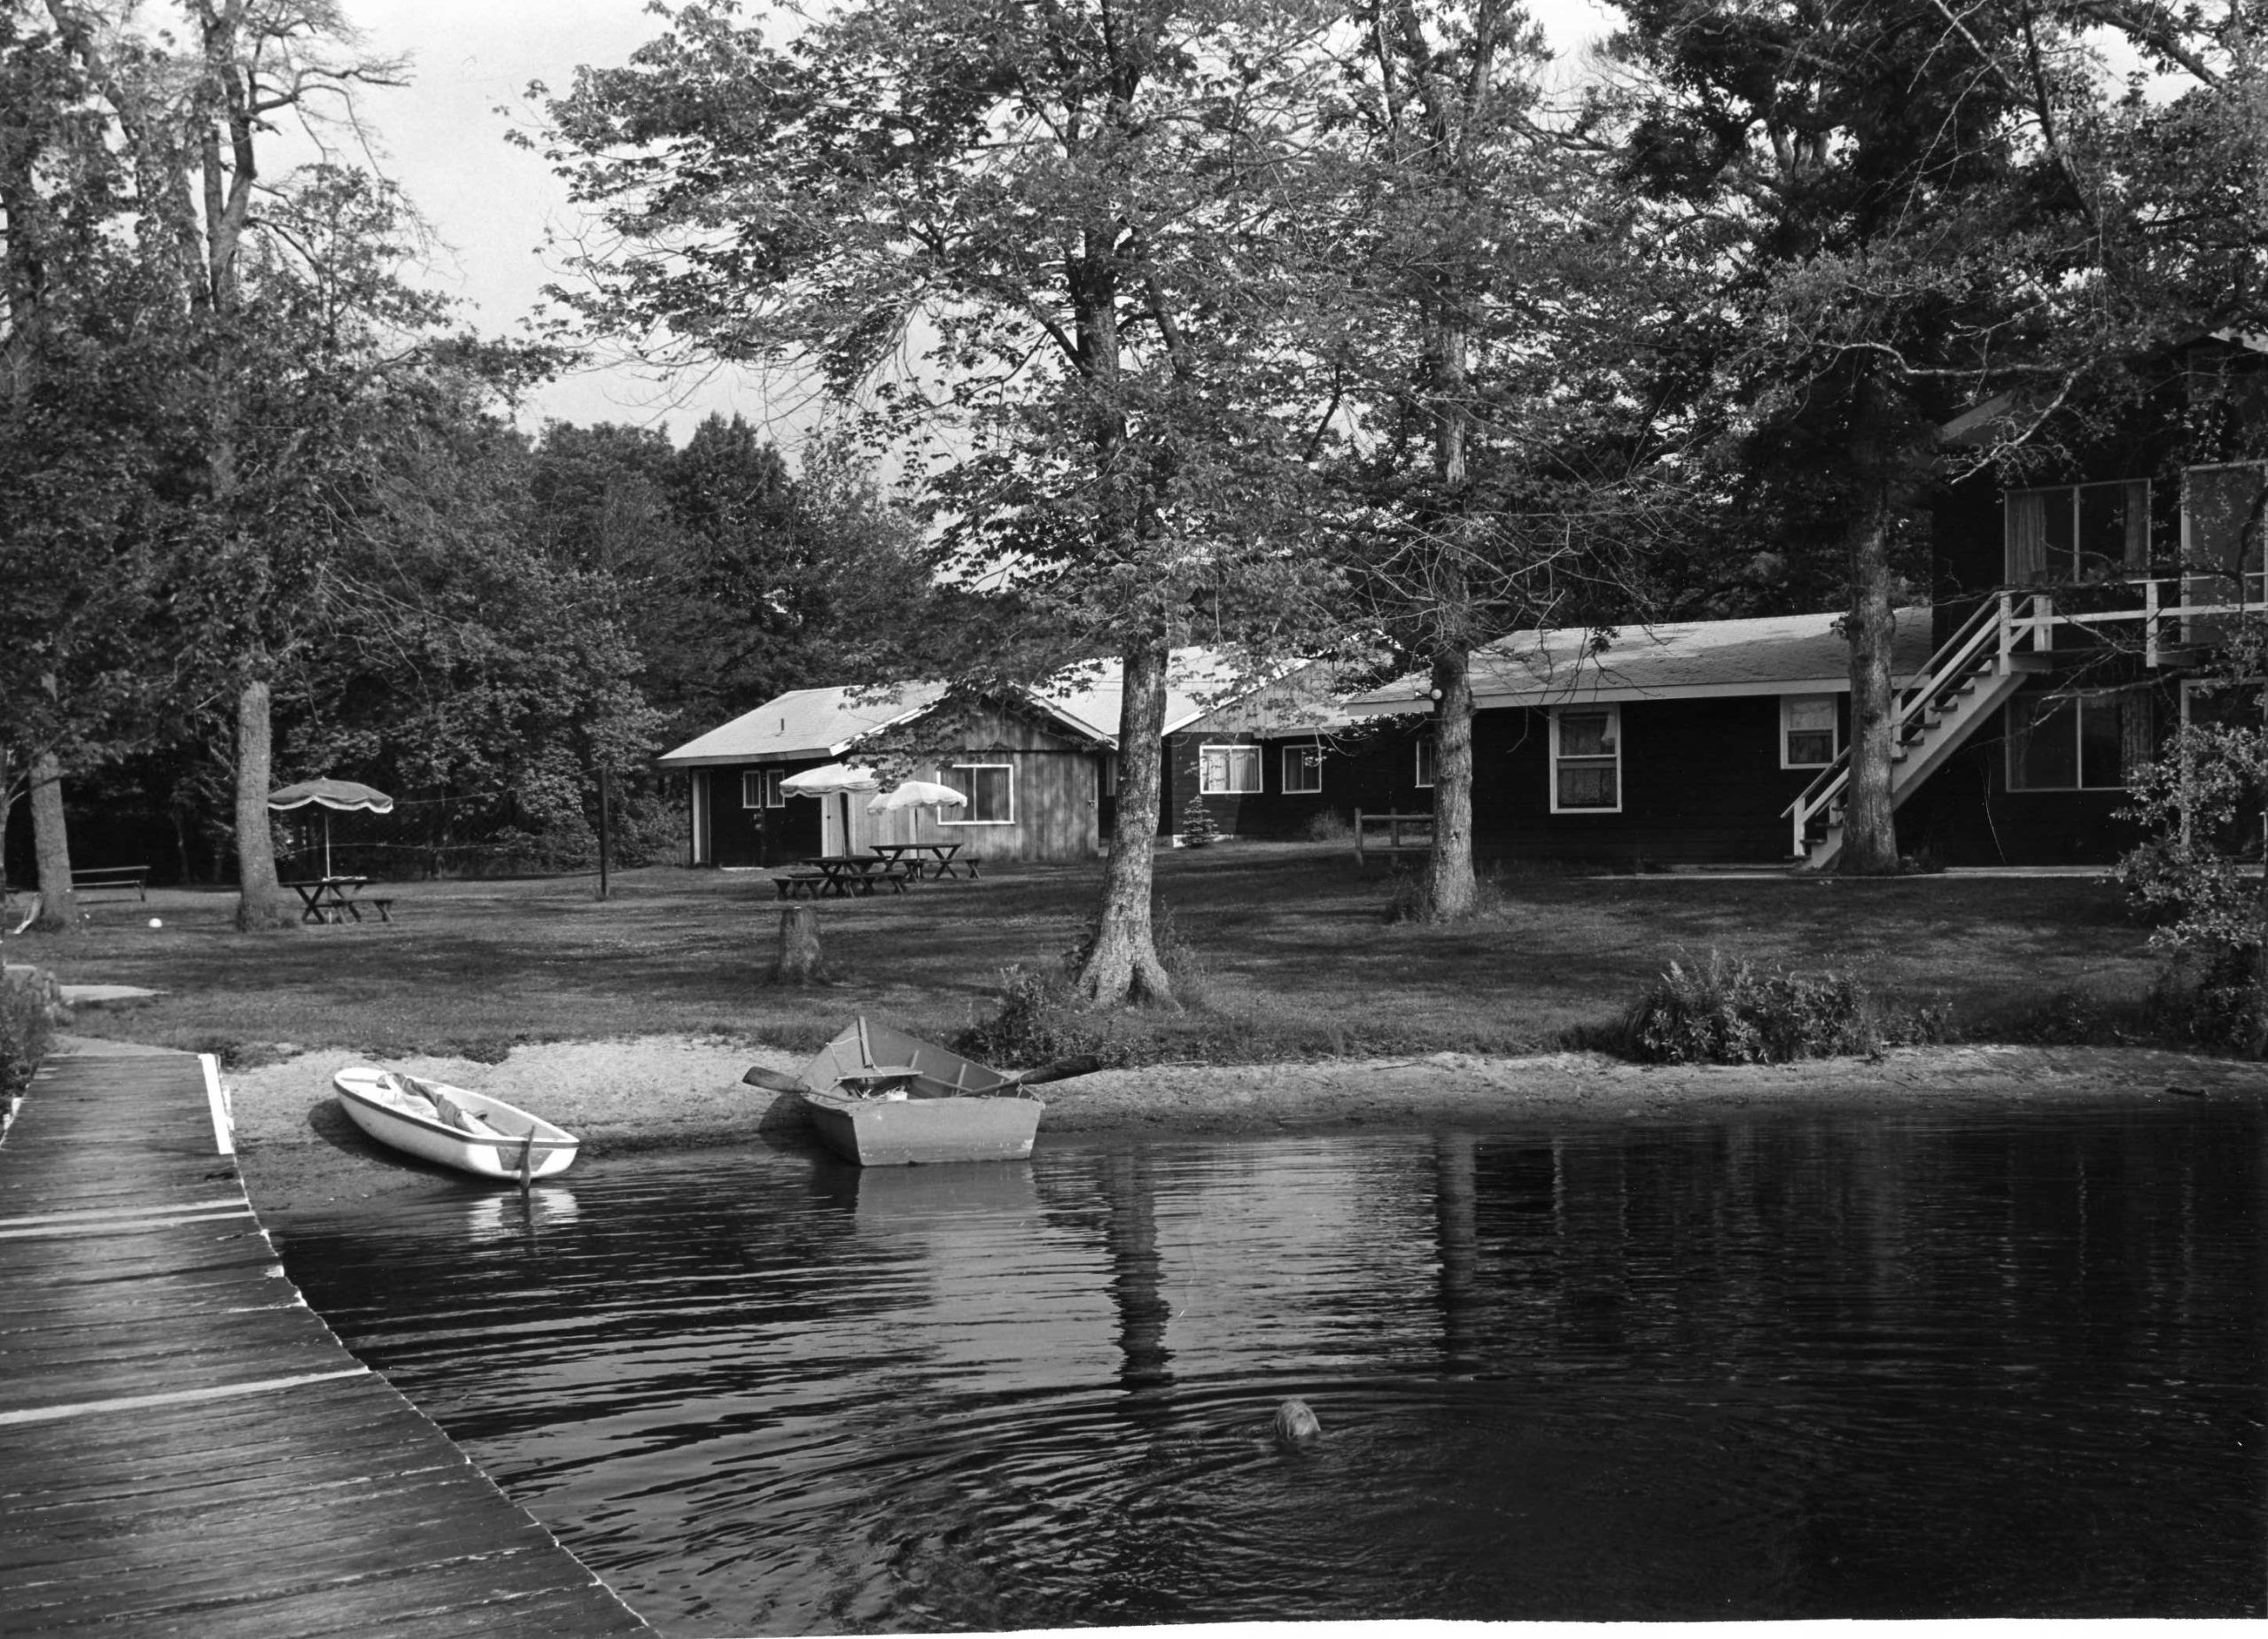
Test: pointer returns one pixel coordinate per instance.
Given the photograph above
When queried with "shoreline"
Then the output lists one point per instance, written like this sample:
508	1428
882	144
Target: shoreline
655	1094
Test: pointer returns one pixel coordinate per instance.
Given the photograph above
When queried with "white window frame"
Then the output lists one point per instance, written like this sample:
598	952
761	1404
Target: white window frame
1614	732
2013	735
1245	751
1009	768
1424	770
1834	729
1302	763
764	788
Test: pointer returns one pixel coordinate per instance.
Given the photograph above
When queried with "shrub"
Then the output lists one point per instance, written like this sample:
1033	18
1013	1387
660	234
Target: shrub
2198	876
2212	997
1037	1017
29	1004
1330	826
1723	1011
1199	829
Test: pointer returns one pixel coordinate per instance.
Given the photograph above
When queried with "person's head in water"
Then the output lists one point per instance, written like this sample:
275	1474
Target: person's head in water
1295	1423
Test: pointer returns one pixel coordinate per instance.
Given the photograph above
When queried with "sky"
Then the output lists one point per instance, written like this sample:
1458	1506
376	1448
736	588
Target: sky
490	206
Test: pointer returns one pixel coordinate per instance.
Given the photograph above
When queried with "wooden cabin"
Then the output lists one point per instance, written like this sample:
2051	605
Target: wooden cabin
1677	743
1276	760
1032	778
1038	766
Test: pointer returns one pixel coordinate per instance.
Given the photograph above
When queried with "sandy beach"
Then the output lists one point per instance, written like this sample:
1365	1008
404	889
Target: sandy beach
654	1093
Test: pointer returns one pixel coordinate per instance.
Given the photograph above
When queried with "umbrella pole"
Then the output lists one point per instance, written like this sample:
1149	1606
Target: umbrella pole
326	841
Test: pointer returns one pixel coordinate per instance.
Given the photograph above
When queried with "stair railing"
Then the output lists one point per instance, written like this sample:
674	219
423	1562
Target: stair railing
1994	630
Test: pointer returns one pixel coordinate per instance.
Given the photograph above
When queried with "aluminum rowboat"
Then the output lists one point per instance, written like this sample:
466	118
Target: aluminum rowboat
880	1098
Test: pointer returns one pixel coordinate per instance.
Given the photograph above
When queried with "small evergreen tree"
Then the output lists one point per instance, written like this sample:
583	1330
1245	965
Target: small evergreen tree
1197	827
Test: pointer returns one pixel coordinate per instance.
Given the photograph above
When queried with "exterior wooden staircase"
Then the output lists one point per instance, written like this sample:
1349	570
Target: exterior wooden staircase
1969	677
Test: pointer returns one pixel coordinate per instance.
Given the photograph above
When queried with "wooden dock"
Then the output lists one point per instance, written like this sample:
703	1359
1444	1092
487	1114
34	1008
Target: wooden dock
185	1447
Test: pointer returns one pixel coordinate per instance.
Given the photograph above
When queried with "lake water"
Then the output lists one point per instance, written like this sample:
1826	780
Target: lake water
1793	1366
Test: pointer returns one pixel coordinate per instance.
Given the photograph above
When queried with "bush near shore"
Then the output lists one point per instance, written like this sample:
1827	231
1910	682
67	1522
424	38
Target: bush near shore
30	1004
1298	956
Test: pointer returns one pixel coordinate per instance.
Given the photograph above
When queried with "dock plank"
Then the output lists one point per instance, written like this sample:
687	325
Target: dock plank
184	1446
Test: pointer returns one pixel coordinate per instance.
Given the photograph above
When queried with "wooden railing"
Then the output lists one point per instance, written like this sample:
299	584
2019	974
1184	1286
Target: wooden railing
1393	824
2015	620
1988	639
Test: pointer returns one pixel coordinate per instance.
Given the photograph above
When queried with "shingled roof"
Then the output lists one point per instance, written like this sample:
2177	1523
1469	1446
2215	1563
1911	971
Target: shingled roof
827	722
1774	655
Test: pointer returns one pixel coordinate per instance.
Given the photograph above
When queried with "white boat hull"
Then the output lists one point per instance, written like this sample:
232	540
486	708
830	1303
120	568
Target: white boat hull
500	1142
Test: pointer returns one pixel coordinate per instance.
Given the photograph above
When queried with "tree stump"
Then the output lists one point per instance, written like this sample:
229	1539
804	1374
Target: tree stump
798	961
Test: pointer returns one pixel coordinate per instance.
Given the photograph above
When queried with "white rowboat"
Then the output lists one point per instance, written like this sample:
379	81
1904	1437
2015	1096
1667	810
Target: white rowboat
467	1131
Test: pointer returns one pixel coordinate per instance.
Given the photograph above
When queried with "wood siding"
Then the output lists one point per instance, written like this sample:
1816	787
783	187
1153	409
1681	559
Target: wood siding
1056	785
1700	782
1372	768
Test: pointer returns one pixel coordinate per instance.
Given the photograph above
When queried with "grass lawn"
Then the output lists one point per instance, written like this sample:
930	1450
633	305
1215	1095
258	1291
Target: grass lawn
1296	956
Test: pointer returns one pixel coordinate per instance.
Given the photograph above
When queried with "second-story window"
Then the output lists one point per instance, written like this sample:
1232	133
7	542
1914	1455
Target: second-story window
2077	532
2221	506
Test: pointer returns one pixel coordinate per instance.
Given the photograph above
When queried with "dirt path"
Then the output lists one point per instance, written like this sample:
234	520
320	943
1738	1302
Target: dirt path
674	1093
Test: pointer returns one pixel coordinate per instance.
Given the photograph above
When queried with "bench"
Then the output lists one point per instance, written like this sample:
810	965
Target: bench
384	907
807	883
119	876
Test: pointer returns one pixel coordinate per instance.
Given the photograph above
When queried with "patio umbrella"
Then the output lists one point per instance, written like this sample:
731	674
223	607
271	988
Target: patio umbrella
916	793
343	794
833	780
829	778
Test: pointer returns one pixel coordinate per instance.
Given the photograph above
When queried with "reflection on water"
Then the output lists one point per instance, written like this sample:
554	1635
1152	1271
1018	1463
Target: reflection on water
1795	1366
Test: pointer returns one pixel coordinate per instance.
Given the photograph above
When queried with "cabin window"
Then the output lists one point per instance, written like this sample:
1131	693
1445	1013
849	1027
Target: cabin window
1228	770
760	789
1108	774
990	789
2072	742
2220	505
1302	770
1586	759
2074	531
1810	731
1425	764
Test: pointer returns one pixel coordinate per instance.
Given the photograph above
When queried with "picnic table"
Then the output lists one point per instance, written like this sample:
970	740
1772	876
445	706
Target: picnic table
336	898
845	874
944	863
120	877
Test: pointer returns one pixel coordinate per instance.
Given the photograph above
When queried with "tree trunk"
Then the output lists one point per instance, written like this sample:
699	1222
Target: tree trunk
1451	890
7	812
260	899
799	961
1123	964
1869	821
58	907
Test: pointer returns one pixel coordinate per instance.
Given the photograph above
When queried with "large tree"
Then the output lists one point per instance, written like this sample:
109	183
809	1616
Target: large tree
1921	208
1034	246
85	374
1487	339
289	309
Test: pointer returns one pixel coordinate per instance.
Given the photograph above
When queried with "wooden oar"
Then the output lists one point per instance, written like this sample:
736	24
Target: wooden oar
772	1081
1062	1069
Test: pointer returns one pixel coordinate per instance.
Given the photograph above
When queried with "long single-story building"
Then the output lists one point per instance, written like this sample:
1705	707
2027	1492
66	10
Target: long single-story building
1274	761
1684	741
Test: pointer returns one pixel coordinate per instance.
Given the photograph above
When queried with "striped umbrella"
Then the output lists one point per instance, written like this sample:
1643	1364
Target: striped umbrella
343	794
